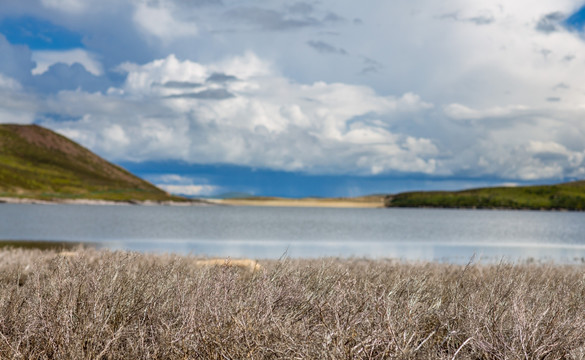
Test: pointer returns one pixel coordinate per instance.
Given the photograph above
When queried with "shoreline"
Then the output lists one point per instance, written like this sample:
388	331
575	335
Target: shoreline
495	208
46	245
305	202
10	200
279	202
339	203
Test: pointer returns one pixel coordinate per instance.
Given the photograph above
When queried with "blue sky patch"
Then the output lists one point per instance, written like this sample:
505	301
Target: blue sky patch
55	117
39	34
577	20
266	182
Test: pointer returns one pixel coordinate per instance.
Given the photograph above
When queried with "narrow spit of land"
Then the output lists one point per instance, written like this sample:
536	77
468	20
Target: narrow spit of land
374	201
90	304
565	196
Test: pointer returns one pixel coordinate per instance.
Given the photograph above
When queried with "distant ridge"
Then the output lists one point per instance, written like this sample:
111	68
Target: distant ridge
565	196
38	163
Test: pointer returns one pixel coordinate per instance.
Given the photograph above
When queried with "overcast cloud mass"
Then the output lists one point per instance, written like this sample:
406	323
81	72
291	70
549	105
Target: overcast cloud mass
446	92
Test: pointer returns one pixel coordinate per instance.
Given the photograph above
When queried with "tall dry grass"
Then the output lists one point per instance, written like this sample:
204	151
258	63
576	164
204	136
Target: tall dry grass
116	305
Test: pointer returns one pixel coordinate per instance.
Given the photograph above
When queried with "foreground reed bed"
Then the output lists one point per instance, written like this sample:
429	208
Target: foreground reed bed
115	305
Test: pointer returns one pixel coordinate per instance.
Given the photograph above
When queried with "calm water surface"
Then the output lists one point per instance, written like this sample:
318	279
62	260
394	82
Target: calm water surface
264	232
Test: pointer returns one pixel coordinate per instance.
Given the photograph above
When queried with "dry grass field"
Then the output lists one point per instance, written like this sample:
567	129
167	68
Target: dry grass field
90	304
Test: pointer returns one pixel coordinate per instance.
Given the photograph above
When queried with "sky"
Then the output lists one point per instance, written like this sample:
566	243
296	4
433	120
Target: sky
306	98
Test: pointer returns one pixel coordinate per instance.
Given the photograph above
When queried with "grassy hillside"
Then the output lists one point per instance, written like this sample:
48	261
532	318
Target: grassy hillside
38	163
567	196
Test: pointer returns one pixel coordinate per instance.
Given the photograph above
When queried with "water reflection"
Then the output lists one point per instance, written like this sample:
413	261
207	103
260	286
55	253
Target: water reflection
410	234
442	252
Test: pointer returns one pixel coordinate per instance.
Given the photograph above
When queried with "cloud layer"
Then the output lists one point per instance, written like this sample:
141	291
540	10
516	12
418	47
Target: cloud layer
240	111
446	89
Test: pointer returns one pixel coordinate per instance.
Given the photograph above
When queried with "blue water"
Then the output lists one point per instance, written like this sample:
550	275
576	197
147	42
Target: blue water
265	232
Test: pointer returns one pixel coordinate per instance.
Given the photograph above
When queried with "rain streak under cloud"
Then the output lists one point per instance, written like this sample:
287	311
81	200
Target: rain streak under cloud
439	94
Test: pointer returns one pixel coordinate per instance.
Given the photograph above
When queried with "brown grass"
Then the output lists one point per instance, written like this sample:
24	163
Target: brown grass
117	305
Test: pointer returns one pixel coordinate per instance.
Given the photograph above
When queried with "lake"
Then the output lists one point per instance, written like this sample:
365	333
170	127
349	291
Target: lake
266	232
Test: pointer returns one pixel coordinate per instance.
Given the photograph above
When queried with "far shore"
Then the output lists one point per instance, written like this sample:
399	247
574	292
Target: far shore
12	200
52	245
361	202
365	202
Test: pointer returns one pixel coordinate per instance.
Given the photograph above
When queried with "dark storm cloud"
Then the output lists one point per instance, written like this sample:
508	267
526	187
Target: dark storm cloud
370	69
329	33
301	8
449	16
297	15
550	157
120	41
550	23
270	19
15	61
180	85
333	17
210	94
65	77
326	48
477	20
481	20
221	78
569	58
371	66
199	3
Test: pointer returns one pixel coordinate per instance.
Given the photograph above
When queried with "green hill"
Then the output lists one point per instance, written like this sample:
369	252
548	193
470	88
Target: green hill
38	163
566	196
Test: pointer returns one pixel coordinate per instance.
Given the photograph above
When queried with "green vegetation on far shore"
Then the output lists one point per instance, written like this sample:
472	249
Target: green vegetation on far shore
37	163
566	196
90	304
44	245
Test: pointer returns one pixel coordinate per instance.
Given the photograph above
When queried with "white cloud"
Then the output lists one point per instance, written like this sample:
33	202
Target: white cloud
182	185
70	6
189	190
462	112
525	151
259	119
171	179
459	87
497	64
167	109
7	83
15	105
46	58
161	21
15	116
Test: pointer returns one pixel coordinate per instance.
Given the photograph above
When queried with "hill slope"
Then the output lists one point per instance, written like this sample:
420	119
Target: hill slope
38	163
566	196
